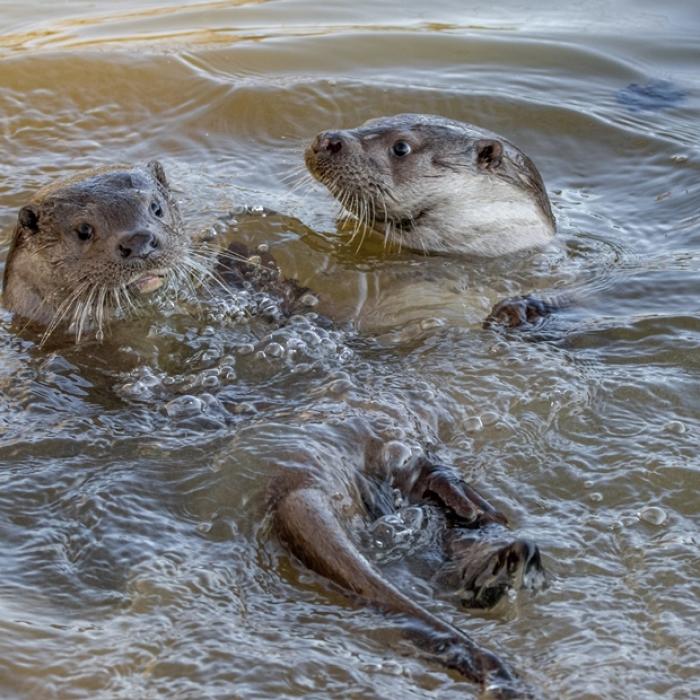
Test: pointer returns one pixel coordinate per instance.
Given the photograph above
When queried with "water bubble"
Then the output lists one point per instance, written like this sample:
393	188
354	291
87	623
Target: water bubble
148	378
675	426
397	453
309	300
210	382
499	347
391	668
413	518
328	345
274	350
428	324
473	424
135	390
210	355
339	387
246	349
183	406
311	338
627	521
653	515
227	373
489	417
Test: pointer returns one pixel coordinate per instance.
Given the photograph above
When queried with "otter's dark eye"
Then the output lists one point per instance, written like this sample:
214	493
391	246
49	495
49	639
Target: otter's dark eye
401	149
84	232
156	209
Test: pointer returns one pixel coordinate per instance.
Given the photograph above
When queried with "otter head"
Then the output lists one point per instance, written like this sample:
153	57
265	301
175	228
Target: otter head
435	185
89	245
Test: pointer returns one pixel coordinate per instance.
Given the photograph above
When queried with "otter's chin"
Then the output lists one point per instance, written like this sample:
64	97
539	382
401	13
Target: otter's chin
148	282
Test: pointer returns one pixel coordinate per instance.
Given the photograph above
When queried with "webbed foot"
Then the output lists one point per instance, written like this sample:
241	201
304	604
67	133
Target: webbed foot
485	569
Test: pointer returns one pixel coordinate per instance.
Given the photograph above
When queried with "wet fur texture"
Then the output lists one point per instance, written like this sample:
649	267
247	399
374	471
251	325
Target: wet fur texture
73	255
50	265
435	185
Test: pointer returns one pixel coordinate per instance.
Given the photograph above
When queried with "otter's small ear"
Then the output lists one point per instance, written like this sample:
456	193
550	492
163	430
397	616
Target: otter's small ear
158	172
489	153
28	219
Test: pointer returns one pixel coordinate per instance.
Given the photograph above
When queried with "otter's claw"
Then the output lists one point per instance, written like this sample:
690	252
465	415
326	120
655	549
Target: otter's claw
519	312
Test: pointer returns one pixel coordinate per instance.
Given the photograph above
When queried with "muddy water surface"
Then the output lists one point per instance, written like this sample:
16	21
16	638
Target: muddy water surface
137	559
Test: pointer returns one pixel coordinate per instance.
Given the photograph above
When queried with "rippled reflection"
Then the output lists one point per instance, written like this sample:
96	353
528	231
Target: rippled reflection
137	556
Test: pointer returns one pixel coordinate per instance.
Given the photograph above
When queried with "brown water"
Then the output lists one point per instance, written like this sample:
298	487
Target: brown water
136	558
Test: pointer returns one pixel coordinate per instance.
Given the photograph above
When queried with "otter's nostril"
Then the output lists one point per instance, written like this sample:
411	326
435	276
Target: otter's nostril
328	142
138	245
334	145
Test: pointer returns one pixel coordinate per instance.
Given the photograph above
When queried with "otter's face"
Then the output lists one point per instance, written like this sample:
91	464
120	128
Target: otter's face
410	172
392	166
88	245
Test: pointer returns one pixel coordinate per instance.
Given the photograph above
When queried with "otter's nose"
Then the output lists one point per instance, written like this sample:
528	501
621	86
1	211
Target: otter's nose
138	245
328	142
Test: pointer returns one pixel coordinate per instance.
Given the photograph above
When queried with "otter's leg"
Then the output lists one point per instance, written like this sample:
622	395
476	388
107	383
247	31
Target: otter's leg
483	563
307	522
238	263
444	484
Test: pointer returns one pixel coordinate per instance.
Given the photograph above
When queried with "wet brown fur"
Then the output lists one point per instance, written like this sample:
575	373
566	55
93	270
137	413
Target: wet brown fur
54	277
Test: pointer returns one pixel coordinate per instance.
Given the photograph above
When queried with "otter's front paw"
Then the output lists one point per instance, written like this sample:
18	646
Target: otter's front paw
519	312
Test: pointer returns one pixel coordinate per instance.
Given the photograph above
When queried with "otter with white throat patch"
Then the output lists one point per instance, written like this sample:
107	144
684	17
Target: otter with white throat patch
435	185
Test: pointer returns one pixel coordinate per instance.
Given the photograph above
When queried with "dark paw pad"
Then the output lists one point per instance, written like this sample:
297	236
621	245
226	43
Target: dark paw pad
518	312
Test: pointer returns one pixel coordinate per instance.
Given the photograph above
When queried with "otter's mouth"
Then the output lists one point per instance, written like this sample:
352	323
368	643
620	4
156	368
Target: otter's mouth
410	222
148	282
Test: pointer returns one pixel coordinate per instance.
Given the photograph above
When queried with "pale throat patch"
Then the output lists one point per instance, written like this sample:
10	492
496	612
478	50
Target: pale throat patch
481	215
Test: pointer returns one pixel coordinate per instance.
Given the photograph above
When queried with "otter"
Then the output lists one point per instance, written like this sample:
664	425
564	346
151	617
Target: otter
435	185
86	247
438	186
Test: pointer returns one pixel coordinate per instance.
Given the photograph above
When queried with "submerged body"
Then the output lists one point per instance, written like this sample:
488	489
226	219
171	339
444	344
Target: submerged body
116	232
435	185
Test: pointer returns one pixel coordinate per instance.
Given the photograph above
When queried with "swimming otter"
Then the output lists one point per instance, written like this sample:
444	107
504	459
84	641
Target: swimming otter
101	237
435	185
88	246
